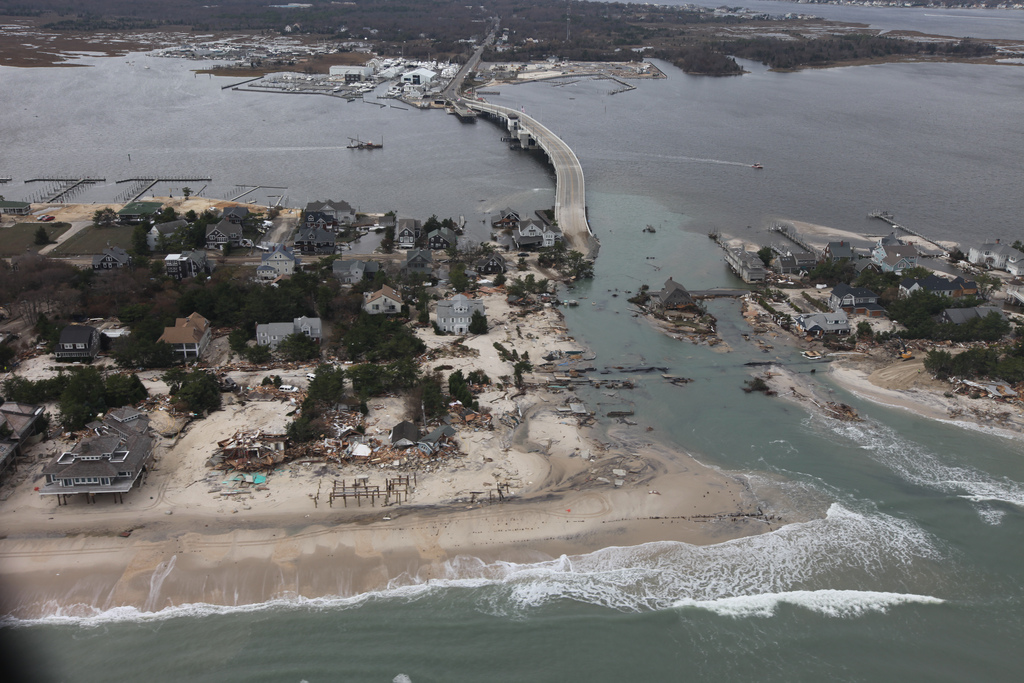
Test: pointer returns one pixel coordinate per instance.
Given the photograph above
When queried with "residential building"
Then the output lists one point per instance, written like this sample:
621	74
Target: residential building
892	255
136	212
315	241
404	434
112	257
407	231
673	296
959	316
223	233
385	300
186	264
318	219
353	272
165	230
419	261
442	238
818	324
235	214
936	284
991	255
838	251
491	264
271	334
506	218
455	314
855	301
20	420
109	462
278	262
746	264
1015	293
189	337
535	234
340	212
78	342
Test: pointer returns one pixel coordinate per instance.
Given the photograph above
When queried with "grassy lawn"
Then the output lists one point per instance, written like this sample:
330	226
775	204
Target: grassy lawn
21	237
93	240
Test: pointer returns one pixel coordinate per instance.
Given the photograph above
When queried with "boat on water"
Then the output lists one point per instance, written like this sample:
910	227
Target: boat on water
649	228
812	355
356	143
757	166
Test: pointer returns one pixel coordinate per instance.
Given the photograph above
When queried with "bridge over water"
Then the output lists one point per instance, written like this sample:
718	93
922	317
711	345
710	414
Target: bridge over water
570	192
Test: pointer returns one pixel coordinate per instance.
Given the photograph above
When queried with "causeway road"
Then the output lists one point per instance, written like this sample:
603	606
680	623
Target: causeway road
570	190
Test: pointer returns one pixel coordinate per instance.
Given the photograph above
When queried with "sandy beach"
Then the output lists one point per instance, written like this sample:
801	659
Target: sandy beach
571	489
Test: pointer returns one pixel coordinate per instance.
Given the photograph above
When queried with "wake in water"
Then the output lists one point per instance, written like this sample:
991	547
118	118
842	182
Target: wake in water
916	464
873	557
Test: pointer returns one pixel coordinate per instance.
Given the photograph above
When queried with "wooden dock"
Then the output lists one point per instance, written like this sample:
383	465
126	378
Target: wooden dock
891	220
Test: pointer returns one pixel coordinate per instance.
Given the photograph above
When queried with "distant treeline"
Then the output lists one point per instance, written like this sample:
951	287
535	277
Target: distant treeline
780	53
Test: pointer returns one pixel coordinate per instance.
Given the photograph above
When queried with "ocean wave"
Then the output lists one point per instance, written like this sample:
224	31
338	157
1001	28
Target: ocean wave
831	603
858	551
916	464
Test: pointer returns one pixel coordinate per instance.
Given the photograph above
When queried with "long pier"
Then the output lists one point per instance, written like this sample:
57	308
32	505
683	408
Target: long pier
890	219
792	236
570	190
147	184
67	186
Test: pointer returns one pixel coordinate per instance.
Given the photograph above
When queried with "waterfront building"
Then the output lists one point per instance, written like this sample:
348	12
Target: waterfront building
189	337
455	314
385	300
271	334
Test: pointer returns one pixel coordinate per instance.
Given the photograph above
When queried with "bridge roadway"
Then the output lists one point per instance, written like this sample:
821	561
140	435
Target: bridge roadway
570	194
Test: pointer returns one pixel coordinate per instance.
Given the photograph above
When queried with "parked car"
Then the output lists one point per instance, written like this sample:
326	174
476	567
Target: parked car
288	388
311	376
46	218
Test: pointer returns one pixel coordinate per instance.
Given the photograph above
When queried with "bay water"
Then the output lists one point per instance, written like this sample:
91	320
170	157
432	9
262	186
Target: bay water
911	567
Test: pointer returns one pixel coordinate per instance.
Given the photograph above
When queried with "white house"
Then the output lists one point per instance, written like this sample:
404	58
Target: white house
384	300
455	314
993	255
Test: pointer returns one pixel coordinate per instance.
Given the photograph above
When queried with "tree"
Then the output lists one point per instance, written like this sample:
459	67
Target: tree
987	284
458	278
187	191
387	244
140	240
298	347
864	331
765	254
80	402
195	391
104	217
123	389
478	323
41	237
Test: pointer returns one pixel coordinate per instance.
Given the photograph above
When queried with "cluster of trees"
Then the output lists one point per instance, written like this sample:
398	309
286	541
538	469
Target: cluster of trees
326	391
917	313
781	53
81	394
1005	363
572	264
195	392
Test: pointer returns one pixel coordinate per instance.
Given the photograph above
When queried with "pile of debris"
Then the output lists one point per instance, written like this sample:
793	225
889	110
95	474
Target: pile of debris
249	452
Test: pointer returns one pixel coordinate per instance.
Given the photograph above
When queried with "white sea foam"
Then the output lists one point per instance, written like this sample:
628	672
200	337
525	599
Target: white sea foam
916	464
831	603
858	551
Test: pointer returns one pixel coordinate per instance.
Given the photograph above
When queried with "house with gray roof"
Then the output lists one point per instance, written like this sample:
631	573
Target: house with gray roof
492	264
315	241
78	342
936	284
235	214
106	463
838	251
418	261
353	272
404	434
271	334
19	420
112	257
442	238
855	301
187	264
506	218
819	324
455	314
673	296
959	316
164	230
746	264
993	255
223	233
407	231
340	211
278	262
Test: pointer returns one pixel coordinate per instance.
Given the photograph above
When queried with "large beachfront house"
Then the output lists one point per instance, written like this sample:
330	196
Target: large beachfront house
455	314
189	336
112	461
385	300
820	324
855	301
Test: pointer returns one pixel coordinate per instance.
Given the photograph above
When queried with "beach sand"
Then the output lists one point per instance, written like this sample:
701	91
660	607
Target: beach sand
188	543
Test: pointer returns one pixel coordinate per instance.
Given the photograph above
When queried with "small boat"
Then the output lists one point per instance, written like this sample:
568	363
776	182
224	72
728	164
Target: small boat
812	355
757	166
356	143
649	228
